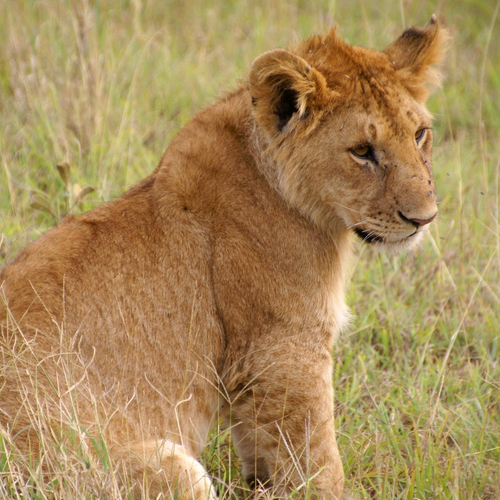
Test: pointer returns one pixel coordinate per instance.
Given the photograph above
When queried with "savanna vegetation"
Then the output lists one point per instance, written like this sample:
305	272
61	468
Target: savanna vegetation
91	94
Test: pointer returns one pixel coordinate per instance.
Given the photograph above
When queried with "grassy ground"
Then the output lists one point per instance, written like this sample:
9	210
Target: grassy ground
104	86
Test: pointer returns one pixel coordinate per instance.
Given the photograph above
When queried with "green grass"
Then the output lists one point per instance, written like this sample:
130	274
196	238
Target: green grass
104	86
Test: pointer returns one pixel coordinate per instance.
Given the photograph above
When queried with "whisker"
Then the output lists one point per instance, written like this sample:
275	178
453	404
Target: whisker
356	224
348	208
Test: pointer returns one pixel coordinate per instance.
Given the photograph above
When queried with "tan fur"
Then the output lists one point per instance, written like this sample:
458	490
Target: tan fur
216	286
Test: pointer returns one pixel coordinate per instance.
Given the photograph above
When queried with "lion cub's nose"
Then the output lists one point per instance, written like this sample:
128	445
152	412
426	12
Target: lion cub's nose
418	222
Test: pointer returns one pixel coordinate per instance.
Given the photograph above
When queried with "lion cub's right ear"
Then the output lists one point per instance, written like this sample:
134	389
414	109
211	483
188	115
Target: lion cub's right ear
284	86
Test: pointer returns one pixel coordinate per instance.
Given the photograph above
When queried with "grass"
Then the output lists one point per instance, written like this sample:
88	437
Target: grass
104	87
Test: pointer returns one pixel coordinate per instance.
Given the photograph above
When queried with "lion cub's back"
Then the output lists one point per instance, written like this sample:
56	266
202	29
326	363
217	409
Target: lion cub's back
132	297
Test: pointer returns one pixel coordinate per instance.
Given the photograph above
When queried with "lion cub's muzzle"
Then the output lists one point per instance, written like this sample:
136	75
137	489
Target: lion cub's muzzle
399	230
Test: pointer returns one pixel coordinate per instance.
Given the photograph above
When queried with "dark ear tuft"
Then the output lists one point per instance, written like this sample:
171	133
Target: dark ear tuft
286	107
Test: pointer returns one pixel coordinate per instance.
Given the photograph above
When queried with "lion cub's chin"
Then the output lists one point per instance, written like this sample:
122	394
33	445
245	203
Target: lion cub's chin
396	247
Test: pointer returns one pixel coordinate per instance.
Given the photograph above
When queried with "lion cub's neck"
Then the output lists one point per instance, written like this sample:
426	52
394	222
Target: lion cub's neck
332	251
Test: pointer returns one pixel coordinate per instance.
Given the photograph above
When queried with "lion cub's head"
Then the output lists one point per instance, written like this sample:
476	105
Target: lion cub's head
349	133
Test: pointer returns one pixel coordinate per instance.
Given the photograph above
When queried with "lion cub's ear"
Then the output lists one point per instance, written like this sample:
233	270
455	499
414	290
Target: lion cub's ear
416	53
283	85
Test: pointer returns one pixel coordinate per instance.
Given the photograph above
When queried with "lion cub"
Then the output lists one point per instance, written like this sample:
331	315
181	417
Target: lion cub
215	288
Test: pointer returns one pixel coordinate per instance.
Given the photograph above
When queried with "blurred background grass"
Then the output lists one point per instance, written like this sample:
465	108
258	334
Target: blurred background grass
105	85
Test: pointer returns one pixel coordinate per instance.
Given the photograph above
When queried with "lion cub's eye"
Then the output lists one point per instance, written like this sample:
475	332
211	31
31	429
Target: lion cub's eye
419	135
364	151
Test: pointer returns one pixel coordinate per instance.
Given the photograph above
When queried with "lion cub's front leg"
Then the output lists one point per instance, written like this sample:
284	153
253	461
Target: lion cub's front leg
282	424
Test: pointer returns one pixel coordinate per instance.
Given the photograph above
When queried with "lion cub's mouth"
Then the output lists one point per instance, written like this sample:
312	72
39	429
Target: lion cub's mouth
369	236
